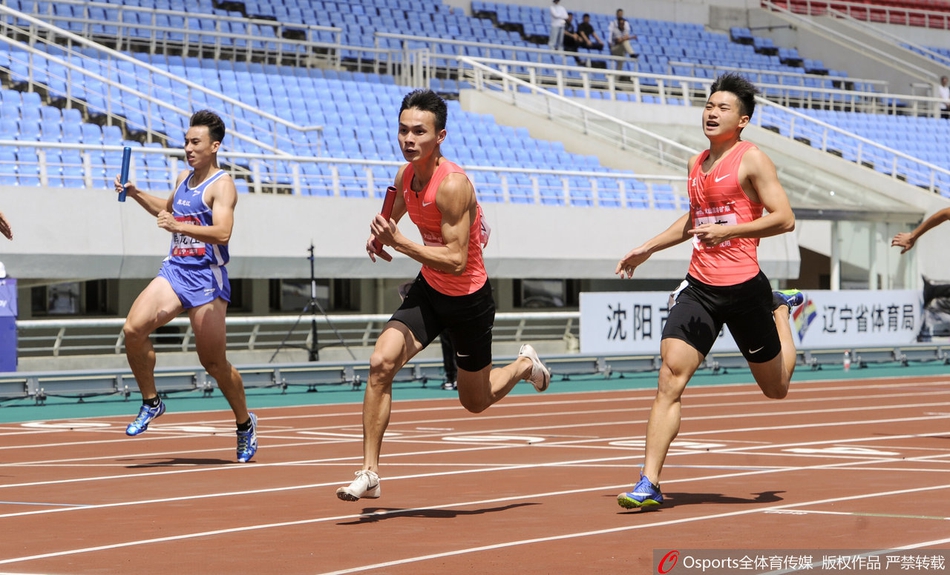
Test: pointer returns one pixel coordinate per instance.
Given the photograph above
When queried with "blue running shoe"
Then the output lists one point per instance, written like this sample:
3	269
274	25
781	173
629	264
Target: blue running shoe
644	494
790	297
247	442
146	414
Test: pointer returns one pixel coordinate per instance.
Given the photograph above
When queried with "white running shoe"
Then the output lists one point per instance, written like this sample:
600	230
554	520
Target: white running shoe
365	485
540	377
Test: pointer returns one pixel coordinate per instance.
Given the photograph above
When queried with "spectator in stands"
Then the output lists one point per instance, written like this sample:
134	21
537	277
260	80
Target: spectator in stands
558	18
589	37
730	184
943	92
450	295
571	39
5	228
199	213
619	35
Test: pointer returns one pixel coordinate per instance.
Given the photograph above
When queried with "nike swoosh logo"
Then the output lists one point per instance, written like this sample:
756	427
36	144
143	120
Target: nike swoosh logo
752	351
462	354
721	178
425	204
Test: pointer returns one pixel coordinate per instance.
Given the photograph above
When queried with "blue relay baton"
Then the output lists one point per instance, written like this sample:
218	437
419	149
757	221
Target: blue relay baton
124	173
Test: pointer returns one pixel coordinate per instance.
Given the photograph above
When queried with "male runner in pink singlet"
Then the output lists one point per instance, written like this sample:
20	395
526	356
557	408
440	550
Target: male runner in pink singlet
729	186
451	295
193	278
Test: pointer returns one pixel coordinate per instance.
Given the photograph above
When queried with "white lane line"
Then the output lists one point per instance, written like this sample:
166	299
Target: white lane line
740	389
492	469
248	528
754	395
920	545
456	553
489	469
770	414
226	468
862	514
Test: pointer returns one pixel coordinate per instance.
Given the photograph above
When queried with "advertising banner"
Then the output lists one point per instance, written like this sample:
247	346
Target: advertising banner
632	322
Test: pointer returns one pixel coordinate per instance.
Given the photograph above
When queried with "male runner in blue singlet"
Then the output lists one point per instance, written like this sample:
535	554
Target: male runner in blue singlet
200	217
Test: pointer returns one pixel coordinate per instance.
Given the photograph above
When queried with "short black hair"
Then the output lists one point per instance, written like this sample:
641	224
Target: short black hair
213	122
586	16
427	101
744	90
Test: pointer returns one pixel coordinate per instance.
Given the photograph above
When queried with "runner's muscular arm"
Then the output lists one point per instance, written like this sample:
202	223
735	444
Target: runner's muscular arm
676	234
456	202
673	235
760	183
906	240
222	196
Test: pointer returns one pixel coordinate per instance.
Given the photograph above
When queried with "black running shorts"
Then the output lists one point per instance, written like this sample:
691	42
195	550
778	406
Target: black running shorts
700	310
467	320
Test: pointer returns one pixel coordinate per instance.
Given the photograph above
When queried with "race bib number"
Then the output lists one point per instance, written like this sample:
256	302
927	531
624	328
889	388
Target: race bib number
187	246
721	214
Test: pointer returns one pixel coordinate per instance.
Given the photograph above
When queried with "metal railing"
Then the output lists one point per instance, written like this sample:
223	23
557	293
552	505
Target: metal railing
573	67
876	12
553	105
852	147
858	46
514	90
68	337
130	93
213	35
38	386
688	84
51	165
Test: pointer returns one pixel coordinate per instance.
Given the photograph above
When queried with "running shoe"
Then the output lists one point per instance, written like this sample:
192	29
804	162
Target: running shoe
146	414
540	377
450	385
790	297
644	494
366	485
247	442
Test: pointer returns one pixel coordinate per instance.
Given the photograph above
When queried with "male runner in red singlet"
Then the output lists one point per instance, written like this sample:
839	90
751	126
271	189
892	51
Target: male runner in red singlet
729	186
199	213
451	295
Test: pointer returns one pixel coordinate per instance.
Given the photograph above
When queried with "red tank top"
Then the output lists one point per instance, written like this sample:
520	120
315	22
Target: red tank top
425	214
717	197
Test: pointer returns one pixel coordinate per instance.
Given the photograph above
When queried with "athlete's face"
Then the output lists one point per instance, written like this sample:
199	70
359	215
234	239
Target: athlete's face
199	149
418	138
723	117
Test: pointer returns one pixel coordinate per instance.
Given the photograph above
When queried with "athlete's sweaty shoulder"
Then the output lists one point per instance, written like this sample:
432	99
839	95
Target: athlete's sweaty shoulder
455	190
221	190
181	178
692	162
754	160
400	173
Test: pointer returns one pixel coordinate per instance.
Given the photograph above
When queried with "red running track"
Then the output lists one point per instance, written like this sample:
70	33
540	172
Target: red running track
527	487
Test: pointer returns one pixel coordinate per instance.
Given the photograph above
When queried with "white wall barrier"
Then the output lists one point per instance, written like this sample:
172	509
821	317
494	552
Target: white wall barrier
632	322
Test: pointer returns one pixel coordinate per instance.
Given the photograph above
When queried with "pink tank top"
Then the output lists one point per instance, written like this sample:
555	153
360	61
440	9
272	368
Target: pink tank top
717	197
426	215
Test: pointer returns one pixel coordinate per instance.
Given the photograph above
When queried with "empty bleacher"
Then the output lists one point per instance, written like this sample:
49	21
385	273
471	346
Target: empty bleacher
339	101
920	13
